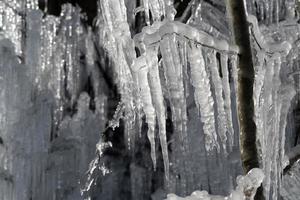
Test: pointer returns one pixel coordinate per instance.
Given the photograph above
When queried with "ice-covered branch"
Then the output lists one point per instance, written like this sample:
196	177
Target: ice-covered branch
165	28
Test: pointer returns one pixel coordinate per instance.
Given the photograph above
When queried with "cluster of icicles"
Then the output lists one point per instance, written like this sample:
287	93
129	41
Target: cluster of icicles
47	63
272	99
185	52
55	46
270	12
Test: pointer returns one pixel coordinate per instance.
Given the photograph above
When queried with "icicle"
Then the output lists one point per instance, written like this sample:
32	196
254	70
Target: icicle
126	88
92	70
158	102
146	7
202	94
157	9
174	80
227	101
260	71
148	109
51	64
266	135
276	154
172	72
89	48
170	11
184	62
33	46
71	32
287	93
116	38
233	60
218	91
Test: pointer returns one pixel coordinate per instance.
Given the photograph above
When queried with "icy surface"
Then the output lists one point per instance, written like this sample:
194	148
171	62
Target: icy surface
245	190
273	94
290	185
174	127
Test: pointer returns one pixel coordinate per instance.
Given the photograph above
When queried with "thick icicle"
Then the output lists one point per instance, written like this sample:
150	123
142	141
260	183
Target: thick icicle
116	39
174	81
33	46
142	70
218	92
271	103
202	94
72	31
266	120
51	63
227	101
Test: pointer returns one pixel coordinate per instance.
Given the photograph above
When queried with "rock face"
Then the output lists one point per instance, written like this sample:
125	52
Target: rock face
129	100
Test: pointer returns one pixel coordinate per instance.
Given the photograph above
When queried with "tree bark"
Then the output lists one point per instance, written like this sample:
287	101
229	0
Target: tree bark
238	20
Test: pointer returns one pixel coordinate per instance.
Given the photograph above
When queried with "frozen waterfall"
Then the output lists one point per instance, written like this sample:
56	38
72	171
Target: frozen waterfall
134	100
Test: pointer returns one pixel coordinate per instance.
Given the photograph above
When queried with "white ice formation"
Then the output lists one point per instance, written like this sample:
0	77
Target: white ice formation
245	189
182	77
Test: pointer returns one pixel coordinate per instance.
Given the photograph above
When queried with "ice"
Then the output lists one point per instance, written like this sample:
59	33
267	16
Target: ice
163	34
217	85
246	189
227	98
11	22
291	181
174	79
267	11
178	80
157	8
33	43
271	104
158	102
203	97
37	154
148	109
146	7
115	37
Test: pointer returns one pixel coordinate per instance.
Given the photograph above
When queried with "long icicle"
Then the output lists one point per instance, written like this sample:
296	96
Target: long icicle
140	66
174	80
202	94
218	90
227	104
146	8
116	38
158	102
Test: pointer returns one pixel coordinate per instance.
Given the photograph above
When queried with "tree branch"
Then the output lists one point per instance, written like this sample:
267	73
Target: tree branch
238	20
